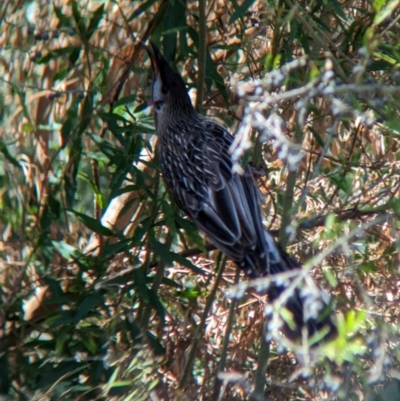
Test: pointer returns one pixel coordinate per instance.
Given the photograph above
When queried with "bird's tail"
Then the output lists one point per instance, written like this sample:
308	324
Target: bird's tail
299	305
309	312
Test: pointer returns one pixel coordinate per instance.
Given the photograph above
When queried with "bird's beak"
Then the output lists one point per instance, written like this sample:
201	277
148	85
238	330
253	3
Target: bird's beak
155	55
159	65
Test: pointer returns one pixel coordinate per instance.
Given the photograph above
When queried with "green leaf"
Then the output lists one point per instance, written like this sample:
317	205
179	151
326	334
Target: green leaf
168	257
64	370
331	278
190	293
141	9
157	304
340	182
93	224
74	55
155	343
378	4
89	304
191	231
338	9
394	125
212	74
87	112
7	155
169	216
369	267
169	282
317	137
61	74
220	84
61	343
96	190
384	12
140	284
88	342
354	320
329	222
241	10
79	21
186	262
125	100
65	250
389	60
57	53
288	318
114	248
133	328
69	125
64	319
57	294
174	17
174	30
94	21
63	20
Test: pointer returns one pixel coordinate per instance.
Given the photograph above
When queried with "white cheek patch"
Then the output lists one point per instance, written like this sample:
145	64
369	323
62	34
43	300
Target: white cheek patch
157	91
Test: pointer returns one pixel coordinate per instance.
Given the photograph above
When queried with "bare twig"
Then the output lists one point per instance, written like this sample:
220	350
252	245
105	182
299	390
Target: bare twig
199	332
221	366
201	55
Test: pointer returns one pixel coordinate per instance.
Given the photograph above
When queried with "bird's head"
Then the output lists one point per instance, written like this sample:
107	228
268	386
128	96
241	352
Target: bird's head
170	97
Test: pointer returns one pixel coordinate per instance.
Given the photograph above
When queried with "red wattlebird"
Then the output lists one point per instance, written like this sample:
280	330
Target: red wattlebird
196	165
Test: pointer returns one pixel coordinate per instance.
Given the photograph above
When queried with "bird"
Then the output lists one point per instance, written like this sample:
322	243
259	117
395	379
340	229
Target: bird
196	165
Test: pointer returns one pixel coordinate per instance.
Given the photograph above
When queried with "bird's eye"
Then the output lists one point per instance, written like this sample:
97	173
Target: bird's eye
158	104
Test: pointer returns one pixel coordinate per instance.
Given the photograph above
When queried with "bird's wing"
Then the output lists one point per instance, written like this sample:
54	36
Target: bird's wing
227	209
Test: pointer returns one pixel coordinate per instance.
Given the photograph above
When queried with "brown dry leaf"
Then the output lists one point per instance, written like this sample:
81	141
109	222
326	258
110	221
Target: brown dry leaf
119	71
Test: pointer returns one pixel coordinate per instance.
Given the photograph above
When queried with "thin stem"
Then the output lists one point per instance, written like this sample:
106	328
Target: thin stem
289	196
199	332
156	285
221	366
201	54
262	363
318	35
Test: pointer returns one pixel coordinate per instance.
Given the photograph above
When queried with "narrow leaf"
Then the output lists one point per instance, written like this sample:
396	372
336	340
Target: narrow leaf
92	224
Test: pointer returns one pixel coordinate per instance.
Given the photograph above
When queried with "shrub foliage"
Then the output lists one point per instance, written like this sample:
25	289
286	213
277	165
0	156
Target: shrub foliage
107	291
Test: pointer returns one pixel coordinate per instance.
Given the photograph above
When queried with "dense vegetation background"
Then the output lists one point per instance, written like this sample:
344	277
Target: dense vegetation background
107	291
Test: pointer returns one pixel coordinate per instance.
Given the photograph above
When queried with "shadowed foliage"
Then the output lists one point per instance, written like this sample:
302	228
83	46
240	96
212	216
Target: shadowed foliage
109	292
